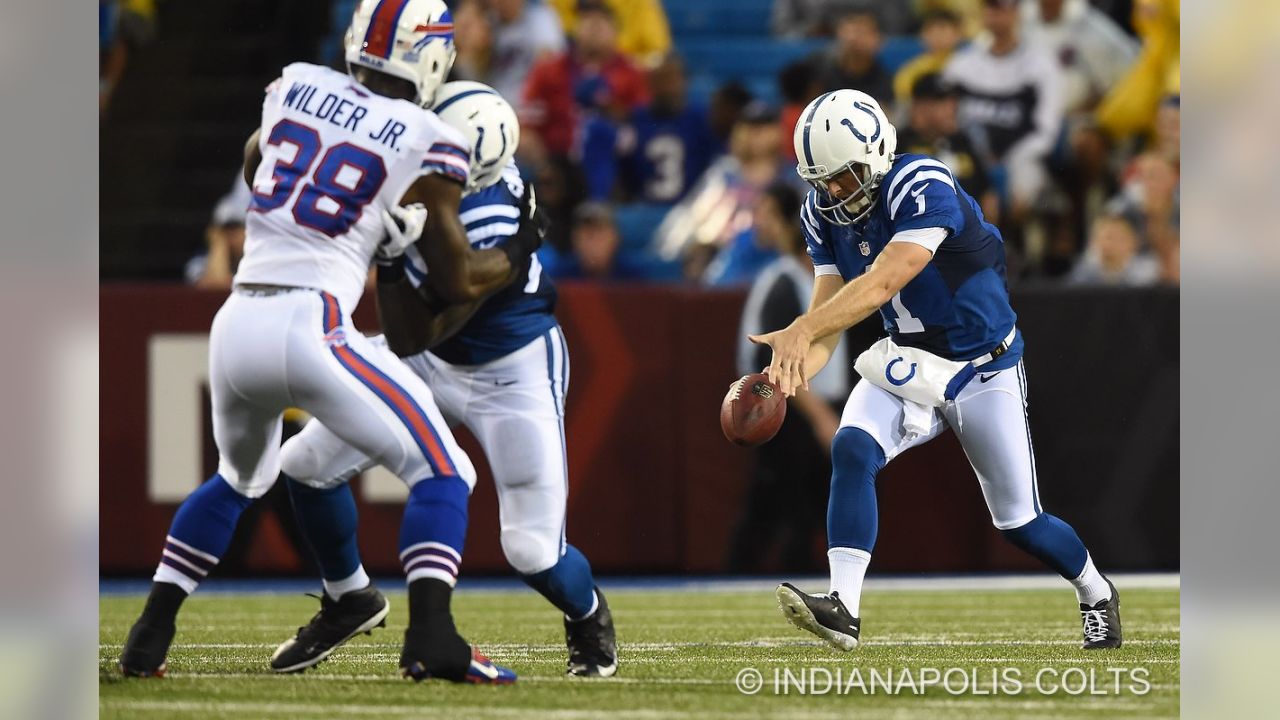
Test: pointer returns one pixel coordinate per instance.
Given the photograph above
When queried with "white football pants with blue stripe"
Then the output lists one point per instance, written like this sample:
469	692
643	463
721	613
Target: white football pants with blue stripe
297	349
514	406
990	420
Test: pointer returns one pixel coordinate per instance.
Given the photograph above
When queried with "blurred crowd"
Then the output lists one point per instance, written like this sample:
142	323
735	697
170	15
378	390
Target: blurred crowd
653	129
1060	116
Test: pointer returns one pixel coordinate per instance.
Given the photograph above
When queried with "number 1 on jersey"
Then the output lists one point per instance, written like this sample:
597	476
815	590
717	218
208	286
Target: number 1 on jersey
907	323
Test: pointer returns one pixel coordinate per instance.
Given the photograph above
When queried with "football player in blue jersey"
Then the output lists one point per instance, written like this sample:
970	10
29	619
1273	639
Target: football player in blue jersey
897	233
499	366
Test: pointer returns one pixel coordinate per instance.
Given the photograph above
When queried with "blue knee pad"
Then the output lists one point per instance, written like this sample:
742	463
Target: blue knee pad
852	518
1053	542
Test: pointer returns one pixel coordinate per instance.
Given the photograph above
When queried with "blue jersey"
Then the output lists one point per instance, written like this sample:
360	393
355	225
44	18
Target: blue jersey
514	316
958	306
668	153
658	157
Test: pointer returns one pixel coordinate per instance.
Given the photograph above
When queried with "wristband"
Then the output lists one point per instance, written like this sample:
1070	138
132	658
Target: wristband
392	272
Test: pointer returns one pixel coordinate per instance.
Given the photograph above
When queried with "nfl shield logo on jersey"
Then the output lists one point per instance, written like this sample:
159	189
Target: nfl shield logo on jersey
864	247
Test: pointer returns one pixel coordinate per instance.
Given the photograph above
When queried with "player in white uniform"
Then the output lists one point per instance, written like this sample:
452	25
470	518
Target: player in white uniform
503	375
336	157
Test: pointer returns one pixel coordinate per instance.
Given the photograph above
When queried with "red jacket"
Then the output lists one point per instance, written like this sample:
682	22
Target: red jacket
558	91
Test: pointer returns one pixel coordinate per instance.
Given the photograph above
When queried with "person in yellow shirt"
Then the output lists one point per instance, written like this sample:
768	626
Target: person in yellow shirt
643	33
1130	107
941	32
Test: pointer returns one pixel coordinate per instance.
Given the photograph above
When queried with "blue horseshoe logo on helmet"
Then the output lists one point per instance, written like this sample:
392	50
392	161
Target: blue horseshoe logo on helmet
875	135
502	127
888	373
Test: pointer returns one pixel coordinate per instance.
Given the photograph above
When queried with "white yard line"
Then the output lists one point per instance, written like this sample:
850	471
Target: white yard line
644	647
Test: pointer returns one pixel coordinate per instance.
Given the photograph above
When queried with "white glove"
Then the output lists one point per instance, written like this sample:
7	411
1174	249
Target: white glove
404	226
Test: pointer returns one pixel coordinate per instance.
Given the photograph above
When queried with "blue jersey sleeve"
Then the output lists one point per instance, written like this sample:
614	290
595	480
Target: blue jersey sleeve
923	194
492	215
811	223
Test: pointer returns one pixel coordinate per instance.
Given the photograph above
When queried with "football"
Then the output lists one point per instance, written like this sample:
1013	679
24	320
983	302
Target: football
752	410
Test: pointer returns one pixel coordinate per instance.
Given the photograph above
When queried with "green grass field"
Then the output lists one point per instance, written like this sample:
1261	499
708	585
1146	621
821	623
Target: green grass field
680	652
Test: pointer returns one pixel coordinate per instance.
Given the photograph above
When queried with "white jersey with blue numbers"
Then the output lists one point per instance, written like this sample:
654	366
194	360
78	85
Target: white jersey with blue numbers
515	315
958	306
334	156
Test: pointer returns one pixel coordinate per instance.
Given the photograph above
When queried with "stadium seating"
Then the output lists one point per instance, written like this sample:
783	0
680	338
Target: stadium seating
636	223
717	17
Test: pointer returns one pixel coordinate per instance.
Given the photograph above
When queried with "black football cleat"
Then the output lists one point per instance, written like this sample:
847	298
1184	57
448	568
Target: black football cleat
822	615
593	647
359	611
435	650
1102	622
145	650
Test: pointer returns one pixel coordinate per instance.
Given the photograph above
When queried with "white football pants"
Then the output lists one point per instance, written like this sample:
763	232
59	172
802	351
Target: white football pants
514	405
297	349
990	420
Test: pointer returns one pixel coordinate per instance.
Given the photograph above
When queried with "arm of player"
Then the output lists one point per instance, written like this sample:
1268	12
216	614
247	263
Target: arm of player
410	324
825	287
459	274
252	156
896	265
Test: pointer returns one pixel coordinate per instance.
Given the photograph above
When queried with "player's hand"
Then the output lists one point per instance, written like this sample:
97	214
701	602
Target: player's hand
532	231
404	226
790	348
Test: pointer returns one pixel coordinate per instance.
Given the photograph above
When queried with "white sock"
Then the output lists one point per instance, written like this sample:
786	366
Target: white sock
357	580
848	568
1090	586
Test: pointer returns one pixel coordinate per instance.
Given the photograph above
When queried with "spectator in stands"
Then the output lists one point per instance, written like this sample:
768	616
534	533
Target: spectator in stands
792	471
1149	200
595	243
797	84
933	129
224	238
941	34
473	38
1010	103
123	27
591	77
711	227
1093	53
727	105
850	61
523	34
1168	135
1113	256
1131	105
643	32
659	152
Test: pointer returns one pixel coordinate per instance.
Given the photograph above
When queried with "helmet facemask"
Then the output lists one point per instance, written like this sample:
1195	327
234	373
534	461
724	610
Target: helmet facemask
858	205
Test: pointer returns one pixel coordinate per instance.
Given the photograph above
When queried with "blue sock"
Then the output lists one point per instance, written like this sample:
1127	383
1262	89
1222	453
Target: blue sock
327	518
200	533
852	520
434	528
568	584
1053	542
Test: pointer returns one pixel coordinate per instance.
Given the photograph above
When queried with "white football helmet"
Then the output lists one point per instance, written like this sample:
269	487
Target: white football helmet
487	121
408	39
839	131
